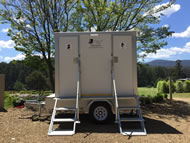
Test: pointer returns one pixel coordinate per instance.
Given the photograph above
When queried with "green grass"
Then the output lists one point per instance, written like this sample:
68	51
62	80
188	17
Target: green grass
181	95
8	100
147	91
153	91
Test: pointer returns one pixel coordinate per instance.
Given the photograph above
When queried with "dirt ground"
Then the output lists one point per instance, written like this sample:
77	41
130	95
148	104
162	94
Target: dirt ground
165	123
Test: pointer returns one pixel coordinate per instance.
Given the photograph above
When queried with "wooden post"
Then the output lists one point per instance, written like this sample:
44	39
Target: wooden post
170	89
2	87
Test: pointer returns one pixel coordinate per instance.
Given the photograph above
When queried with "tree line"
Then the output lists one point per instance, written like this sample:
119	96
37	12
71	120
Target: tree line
32	74
150	75
28	74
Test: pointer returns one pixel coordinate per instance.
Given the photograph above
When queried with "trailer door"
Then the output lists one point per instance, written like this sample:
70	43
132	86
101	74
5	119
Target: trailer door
67	66
95	52
123	68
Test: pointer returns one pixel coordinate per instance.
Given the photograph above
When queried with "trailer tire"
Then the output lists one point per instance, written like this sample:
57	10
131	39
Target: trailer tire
100	112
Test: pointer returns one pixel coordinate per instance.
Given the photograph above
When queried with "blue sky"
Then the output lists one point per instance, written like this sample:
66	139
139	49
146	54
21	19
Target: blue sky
176	17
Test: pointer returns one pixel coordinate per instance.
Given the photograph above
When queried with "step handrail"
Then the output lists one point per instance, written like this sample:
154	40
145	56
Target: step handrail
114	90
116	99
78	92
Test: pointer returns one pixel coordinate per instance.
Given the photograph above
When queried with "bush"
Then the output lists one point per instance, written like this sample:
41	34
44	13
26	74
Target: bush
9	100
152	99
158	98
166	96
142	99
179	86
162	87
36	81
148	100
186	86
145	99
172	86
18	86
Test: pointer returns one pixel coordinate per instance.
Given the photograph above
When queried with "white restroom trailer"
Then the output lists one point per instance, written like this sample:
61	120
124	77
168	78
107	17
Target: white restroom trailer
95	73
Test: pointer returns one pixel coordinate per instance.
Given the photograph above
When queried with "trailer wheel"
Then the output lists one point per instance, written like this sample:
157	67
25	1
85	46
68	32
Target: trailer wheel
100	112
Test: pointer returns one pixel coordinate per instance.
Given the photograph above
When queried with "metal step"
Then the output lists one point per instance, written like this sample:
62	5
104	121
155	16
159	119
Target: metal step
131	119
65	98
64	120
134	132
65	108
130	107
59	133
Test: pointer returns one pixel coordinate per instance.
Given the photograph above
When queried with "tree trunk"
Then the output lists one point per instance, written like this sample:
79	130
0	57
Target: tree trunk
170	89
51	74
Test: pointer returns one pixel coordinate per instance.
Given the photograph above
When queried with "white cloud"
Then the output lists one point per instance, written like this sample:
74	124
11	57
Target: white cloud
1	57
6	44
5	30
17	57
167	53
93	29
166	25
185	34
28	26
167	12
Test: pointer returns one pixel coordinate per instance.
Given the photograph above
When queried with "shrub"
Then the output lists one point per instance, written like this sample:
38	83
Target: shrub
9	100
179	86
166	96
148	100
162	87
158	98
142	99
145	99
172	86
18	86
186	86
159	85
36	81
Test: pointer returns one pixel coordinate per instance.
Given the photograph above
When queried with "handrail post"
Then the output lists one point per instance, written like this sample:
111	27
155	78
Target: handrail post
78	91
114	89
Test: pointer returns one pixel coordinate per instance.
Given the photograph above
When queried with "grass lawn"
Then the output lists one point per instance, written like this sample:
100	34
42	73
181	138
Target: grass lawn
147	91
153	91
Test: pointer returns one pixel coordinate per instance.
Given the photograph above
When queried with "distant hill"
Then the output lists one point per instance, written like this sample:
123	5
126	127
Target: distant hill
167	63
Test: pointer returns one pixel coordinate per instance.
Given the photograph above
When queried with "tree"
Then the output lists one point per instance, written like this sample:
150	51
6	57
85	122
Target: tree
145	77
33	22
36	63
36	81
179	86
18	86
186	86
178	72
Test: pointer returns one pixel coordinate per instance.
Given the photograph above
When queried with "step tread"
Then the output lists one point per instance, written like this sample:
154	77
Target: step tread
64	120
65	132
134	132
131	119
129	107
65	108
